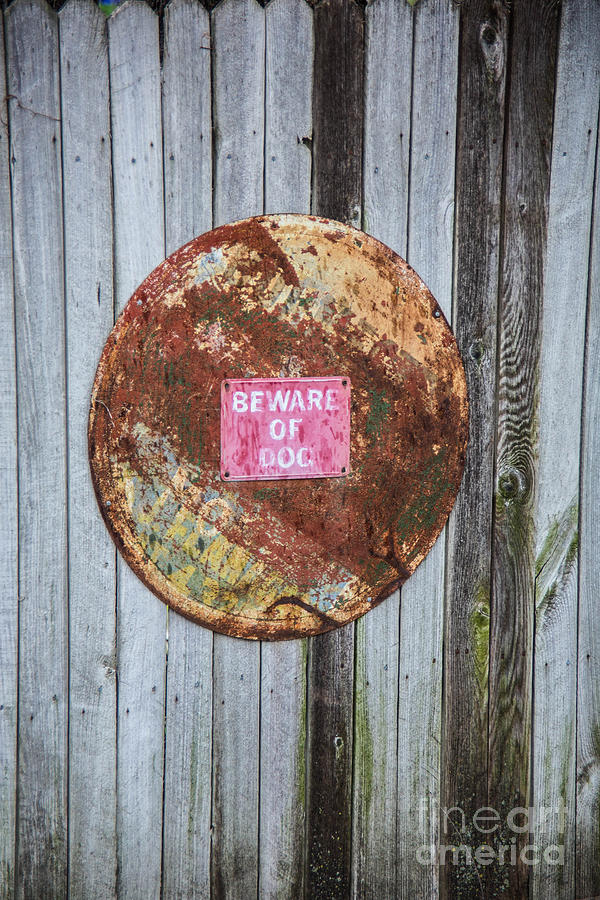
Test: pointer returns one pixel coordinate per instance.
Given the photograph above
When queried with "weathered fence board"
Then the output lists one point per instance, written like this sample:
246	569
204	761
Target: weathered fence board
338	111
238	34
587	882
141	617
480	131
526	188
430	238
388	70
89	317
337	193
187	137
9	609
34	122
155	759
560	398
187	123
287	160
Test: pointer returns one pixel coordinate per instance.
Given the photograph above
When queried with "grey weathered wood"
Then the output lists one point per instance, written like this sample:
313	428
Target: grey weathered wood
587	882
259	742
288	106
430	233
288	119
188	212
34	109
187	122
141	617
9	608
480	131
236	686
526	187
374	844
388	58
560	378
388	82
337	193
89	307
238	34
338	110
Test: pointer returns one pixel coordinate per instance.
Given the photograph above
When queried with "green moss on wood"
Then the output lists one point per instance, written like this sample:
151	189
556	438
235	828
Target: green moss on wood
480	632
556	559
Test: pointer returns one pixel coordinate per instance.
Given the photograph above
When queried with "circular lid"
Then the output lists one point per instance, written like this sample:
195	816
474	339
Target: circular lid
243	500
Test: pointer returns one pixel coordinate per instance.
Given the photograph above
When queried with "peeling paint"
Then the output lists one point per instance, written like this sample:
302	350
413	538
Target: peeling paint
271	297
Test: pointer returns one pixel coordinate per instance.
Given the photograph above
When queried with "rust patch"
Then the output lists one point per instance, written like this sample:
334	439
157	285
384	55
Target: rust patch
285	558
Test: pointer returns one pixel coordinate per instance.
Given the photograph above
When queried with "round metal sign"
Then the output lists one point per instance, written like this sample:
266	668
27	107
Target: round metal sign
278	426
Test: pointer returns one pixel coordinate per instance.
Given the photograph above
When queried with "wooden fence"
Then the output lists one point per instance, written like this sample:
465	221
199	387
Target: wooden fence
142	756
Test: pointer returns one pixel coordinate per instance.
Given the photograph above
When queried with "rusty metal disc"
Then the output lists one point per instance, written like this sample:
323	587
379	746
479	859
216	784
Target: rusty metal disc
273	297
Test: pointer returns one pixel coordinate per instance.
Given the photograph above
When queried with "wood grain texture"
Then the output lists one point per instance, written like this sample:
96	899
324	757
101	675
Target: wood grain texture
336	726
187	124
288	128
480	132
92	573
556	514
374	803
238	35
337	193
288	106
430	236
526	188
187	135
587	882
387	104
338	110
388	68
9	603
238	40
141	617
34	110
236	688
329	766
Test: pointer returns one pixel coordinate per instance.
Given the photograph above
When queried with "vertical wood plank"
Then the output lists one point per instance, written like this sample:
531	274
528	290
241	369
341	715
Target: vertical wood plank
34	108
526	187
288	132
480	132
188	212
141	617
337	191
338	110
89	316
9	604
238	33
556	514
374	808
288	106
588	668
187	122
430	233
388	66
329	766
388	87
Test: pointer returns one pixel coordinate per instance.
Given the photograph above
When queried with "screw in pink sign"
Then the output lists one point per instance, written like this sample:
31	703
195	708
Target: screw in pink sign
275	428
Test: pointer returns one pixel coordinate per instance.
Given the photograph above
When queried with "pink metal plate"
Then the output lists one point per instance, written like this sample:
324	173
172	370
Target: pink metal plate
274	428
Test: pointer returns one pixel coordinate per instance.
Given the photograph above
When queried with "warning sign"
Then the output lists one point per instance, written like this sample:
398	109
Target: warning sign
285	428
